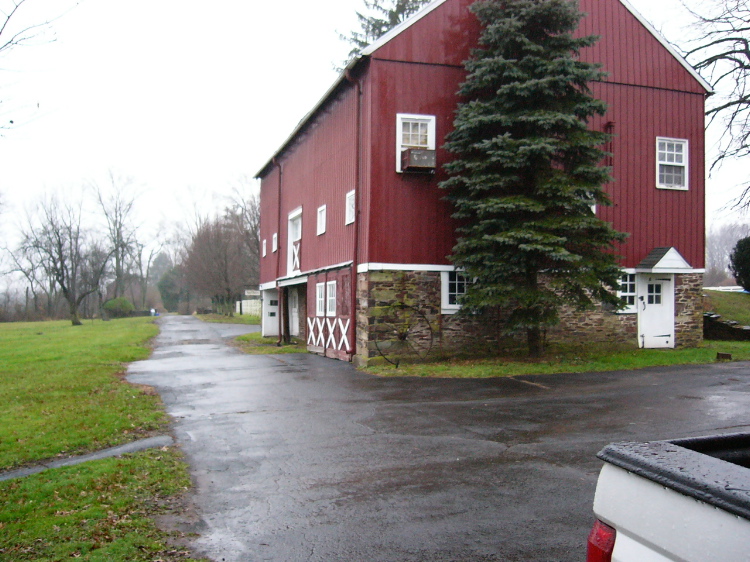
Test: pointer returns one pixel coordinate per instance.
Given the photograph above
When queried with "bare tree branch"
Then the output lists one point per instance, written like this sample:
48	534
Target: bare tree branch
722	53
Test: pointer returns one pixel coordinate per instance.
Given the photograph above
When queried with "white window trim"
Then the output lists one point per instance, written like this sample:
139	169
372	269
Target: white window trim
320	299
445	306
634	308
321	229
264	247
331	298
685	164
400	118
350	206
275	242
290	265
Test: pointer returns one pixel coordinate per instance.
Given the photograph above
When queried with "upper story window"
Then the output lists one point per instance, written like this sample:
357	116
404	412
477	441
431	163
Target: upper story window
350	208
453	285
671	163
264	247
294	238
627	292
274	242
321	220
413	131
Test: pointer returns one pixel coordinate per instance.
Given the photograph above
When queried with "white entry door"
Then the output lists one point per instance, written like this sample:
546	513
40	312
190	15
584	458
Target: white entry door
270	309
294	312
655	310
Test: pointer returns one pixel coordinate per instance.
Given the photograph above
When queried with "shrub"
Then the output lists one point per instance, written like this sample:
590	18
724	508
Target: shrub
119	307
739	263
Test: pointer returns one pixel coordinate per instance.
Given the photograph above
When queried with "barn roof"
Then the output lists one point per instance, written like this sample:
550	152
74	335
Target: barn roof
403	26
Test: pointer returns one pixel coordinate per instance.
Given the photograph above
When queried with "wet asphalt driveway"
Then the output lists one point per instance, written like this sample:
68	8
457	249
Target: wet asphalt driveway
297	457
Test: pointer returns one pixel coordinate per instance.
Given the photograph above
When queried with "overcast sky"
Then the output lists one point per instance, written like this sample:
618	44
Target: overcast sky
185	97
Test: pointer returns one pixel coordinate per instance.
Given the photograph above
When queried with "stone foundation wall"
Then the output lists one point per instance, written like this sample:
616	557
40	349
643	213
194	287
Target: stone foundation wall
688	309
417	311
595	326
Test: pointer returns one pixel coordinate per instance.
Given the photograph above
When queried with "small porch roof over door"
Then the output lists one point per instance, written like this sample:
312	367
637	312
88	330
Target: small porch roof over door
664	260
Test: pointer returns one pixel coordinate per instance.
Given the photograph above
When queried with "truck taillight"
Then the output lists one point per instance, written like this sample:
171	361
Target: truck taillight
601	543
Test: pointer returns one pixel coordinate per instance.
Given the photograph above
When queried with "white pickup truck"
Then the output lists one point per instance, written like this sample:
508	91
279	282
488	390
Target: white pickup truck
686	500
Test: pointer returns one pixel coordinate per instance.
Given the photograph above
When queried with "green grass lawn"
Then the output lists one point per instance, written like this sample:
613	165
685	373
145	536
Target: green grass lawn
59	391
569	359
731	306
63	394
236	319
255	344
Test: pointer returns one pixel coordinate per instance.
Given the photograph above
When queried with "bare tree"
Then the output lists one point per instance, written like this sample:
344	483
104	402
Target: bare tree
142	257
720	241
117	204
76	262
244	214
217	264
41	283
722	54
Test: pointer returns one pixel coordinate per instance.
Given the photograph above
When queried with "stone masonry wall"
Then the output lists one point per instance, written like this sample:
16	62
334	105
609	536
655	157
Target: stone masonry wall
688	309
431	332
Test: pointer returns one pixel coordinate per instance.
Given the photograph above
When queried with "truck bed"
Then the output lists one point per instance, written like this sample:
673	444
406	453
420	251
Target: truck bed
713	470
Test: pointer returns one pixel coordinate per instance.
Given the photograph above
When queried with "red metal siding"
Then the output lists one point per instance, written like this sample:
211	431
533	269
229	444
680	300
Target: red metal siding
410	221
444	36
404	218
269	191
319	169
654	217
629	52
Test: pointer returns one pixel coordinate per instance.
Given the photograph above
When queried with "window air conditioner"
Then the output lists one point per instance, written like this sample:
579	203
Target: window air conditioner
418	160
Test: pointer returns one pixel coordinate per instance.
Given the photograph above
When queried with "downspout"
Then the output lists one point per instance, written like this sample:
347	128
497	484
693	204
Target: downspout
278	256
352	350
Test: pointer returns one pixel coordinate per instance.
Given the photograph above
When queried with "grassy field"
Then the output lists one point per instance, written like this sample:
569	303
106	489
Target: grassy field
59	391
731	306
236	319
255	344
62	395
569	359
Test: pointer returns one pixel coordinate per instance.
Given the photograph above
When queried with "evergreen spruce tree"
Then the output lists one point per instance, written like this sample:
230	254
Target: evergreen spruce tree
526	170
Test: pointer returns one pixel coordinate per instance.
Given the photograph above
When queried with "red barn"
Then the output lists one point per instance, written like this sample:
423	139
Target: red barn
355	232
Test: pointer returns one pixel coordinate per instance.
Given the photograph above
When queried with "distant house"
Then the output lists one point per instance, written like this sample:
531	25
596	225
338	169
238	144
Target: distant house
352	220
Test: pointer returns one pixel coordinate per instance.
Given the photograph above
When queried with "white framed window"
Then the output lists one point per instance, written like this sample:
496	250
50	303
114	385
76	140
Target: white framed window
321	220
350	208
453	285
331	298
654	293
274	242
294	242
320	299
628	293
672	163
413	131
264	247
